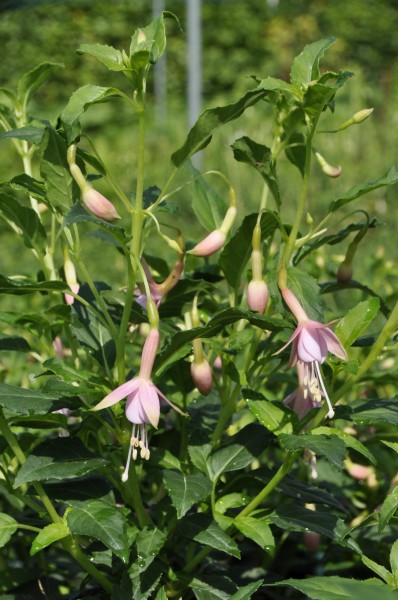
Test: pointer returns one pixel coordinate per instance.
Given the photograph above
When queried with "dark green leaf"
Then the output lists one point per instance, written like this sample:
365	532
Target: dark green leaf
26	219
11	343
329	446
100	520
380	410
62	458
79	102
237	251
389	178
149	542
202	529
33	402
260	157
389	508
199	456
257	530
26	183
61	189
340	588
231	458
349	441
305	67
296	151
48	535
145	582
207	204
306	290
213	587
201	133
32	80
29	133
298	518
8	527
186	490
246	592
304	492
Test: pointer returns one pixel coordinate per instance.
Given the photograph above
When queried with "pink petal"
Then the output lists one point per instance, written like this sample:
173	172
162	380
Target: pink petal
311	346
170	403
333	343
296	332
118	394
150	402
135	412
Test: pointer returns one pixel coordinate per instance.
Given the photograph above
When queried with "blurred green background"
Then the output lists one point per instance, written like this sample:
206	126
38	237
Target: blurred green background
240	38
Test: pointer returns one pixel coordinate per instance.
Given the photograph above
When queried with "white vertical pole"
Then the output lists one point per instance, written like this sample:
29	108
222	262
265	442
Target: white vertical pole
194	64
160	73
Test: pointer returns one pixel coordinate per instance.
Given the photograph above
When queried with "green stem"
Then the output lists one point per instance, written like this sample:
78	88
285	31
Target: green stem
71	546
124	323
136	229
226	413
164	191
29	527
133	486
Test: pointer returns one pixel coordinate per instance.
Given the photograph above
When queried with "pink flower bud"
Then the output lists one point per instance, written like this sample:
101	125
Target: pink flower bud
99	205
312	540
358	471
344	273
217	365
69	299
202	376
210	244
257	296
328	169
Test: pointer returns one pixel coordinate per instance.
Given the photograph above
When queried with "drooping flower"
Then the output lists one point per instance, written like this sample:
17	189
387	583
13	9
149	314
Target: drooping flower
303	398
311	342
143	401
159	290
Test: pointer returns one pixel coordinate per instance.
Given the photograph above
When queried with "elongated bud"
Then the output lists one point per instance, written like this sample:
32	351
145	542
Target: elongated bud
70	277
359	117
153	315
294	305
215	240
99	205
149	351
202	376
328	169
345	272
257	296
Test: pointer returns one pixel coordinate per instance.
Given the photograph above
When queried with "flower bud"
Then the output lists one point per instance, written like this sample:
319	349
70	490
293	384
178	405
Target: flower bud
210	244
99	205
344	272
202	376
357	471
71	279
312	540
257	296
328	169
359	117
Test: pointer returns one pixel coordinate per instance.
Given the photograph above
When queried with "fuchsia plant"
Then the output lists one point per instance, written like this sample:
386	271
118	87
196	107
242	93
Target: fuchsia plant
223	477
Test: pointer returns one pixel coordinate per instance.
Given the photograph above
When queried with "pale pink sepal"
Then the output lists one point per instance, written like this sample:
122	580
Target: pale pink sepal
210	244
99	205
118	394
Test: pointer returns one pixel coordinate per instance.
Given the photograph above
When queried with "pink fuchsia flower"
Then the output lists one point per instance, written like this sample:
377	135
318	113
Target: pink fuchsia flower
311	342
143	401
99	205
303	399
159	290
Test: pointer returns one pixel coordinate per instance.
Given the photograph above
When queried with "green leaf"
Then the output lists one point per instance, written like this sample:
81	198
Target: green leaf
257	530
101	521
389	508
212	119
8	527
62	458
151	39
305	67
380	410
79	102
29	133
13	343
33	402
393	445
260	157
26	219
107	55
48	535
32	80
356	321
213	327
199	455
378	569
329	446
298	518
14	286
238	249
145	582
306	290
349	441
207	204
186	490
304	492
61	189
207	590
394	559
149	542
246	592
231	458
339	588
389	178
202	529
277	419
28	184
78	214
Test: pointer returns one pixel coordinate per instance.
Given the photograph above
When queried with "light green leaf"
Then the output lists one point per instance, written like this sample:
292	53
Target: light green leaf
389	178
26	219
257	530
102	521
151	39
199	455
356	321
186	490
246	592
209	207
33	402
378	569
32	80
28	184
149	542
349	441
329	446
339	588
305	67
394	560
48	535
107	55
393	445
276	418
62	458
79	102
29	133
389	508
231	458
8	527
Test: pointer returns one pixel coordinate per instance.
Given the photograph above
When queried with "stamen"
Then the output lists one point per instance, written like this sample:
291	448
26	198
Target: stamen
125	475
331	411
